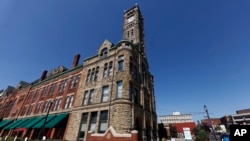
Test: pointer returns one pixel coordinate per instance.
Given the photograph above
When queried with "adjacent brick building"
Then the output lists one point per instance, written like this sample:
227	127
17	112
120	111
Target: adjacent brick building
214	122
109	96
175	123
26	107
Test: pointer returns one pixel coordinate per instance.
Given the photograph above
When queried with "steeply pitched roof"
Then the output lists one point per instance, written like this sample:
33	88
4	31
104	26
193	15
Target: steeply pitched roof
22	84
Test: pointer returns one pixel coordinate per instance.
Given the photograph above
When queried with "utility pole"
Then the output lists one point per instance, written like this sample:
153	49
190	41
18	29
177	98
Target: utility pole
206	110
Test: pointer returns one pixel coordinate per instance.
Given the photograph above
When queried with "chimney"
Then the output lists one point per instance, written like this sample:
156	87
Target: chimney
76	60
43	76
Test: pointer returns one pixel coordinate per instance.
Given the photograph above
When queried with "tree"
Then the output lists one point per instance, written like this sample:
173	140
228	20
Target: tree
200	133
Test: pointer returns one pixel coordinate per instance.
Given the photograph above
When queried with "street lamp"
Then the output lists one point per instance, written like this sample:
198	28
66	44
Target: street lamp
45	120
206	110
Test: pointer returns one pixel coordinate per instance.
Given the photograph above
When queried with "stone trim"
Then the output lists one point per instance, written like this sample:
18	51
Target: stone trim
112	130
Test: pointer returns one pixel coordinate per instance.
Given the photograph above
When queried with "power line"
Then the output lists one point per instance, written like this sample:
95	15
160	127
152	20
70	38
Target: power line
182	112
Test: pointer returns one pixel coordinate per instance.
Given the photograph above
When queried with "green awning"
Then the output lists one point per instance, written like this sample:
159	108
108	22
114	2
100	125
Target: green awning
58	120
5	122
18	124
33	122
41	122
14	124
25	122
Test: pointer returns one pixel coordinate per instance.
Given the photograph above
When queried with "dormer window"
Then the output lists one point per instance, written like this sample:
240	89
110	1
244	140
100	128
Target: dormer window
104	53
127	46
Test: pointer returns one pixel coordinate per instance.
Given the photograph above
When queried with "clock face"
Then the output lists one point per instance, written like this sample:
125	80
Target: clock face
131	19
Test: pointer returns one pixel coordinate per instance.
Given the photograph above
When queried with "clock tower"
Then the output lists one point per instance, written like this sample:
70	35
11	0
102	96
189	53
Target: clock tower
133	28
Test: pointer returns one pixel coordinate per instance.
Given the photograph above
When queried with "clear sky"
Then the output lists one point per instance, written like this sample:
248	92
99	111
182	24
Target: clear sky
198	50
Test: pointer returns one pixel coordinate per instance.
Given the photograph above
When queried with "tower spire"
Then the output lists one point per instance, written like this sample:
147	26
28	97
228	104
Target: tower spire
133	27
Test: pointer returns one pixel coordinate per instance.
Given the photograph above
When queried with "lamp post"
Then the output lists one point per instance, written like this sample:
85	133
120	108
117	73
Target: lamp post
45	120
206	110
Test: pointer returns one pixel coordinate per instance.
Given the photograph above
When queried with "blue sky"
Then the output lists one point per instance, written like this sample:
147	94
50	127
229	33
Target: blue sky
198	51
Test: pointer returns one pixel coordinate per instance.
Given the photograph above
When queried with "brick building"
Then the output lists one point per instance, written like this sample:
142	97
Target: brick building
178	122
214	122
27	106
110	96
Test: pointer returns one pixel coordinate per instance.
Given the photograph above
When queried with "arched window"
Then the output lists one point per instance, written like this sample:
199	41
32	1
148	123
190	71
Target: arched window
104	53
110	68
92	74
120	62
96	72
105	71
88	75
